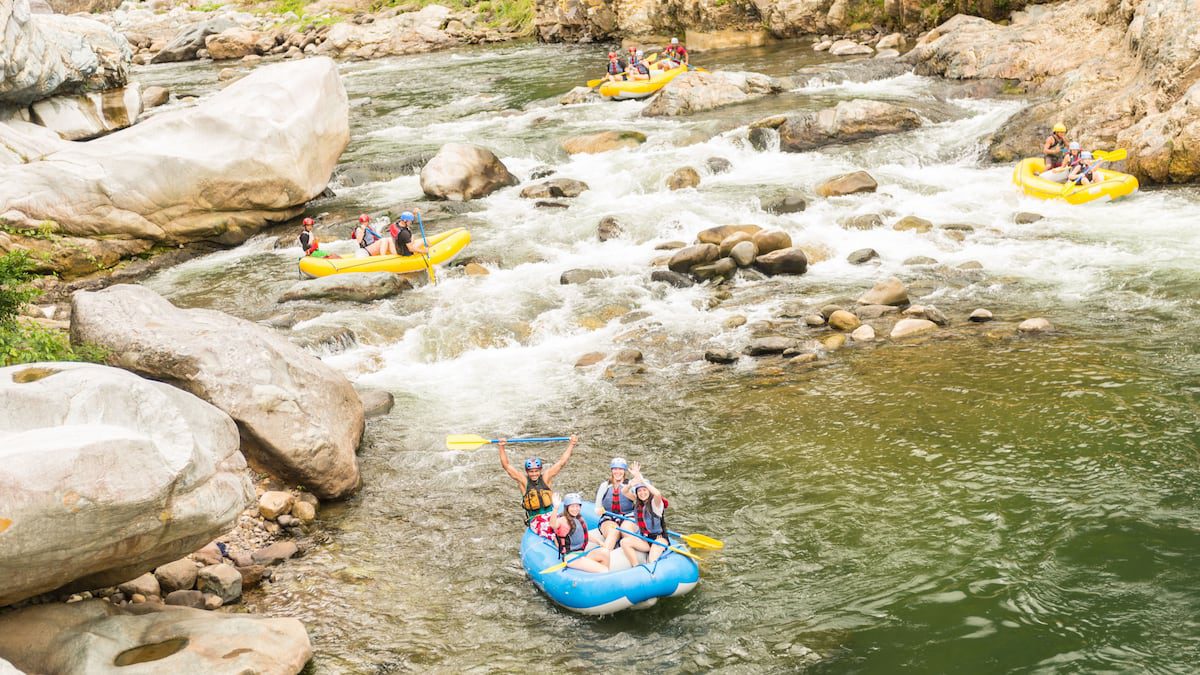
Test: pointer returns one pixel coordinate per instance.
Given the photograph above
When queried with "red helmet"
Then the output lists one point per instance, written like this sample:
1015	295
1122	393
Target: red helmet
309	221
612	55
364	218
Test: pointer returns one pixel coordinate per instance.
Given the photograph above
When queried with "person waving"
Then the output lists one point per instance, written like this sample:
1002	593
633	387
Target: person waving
649	508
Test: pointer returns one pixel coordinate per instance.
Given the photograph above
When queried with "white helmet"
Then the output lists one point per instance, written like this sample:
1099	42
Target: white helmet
674	41
640	53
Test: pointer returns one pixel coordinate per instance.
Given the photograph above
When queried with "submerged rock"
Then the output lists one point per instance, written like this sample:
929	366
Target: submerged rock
676	279
603	141
697	91
847	184
861	256
774	344
364	287
105	475
792	202
980	316
720	356
300	419
582	276
1036	325
553	188
464	171
580	94
683	178
846	122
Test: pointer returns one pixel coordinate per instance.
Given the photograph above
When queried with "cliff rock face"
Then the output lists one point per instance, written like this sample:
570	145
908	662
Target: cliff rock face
1119	73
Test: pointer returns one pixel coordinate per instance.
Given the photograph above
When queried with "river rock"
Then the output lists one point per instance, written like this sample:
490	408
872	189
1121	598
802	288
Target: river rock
864	333
970	265
910	327
743	253
861	256
146	585
980	316
698	91
190	39
42	55
221	580
182	175
464	171
887	54
193	599
869	221
89	115
178	575
723	268
676	279
727	244
920	260
1025	218
686	258
774	344
273	504
409	32
914	224
822	46
589	359
364	287
847	184
849	48
769	241
303	432
715	235
553	188
814	320
783	261
275	553
304	512
1035	325
843	320
792	202
683	178
231	43
172	477
609	228
718	165
154	96
846	122
722	356
763	139
582	276
603	141
868	312
579	95
375	402
94	636
890	291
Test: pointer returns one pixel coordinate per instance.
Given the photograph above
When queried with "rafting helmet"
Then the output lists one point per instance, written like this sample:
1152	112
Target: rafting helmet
533	463
618	463
1074	145
1060	128
1085	155
638	486
364	219
407	216
572	498
640	53
674	41
612	55
309	221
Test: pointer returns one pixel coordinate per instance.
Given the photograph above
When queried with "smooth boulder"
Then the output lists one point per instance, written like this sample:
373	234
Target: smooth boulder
104	475
847	184
554	188
683	178
716	235
890	292
464	171
688	257
912	327
300	419
363	287
846	122
89	115
190	39
97	637
603	141
698	91
790	260
767	241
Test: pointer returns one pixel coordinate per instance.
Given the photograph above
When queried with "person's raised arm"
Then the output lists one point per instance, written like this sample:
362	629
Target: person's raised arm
562	461
555	518
509	468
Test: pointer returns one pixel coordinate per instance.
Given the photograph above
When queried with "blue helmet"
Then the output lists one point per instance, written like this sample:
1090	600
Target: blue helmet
1085	155
533	463
572	498
407	216
618	463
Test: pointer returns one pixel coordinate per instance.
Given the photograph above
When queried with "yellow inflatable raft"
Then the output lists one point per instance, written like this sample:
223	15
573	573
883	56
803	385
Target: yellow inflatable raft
442	248
1112	184
631	89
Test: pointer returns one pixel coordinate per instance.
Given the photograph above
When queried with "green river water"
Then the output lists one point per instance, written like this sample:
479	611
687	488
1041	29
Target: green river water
973	502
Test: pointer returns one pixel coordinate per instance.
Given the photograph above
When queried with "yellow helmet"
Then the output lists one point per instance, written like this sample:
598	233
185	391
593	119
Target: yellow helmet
1060	128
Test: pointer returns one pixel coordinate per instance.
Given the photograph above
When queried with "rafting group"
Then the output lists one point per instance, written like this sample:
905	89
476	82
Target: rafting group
1067	171
641	75
382	246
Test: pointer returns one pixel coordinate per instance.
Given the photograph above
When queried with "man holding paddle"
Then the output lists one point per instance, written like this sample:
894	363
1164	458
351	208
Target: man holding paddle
537	497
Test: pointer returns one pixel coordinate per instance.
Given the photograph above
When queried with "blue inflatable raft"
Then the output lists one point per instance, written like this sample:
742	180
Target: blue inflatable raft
606	593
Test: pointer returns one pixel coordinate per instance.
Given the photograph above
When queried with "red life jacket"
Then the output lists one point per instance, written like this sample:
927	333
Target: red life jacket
565	543
659	521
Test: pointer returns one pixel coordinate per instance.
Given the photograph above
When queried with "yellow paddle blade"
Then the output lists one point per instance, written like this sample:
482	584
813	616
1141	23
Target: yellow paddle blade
465	441
702	542
554	568
652	58
1111	156
592	84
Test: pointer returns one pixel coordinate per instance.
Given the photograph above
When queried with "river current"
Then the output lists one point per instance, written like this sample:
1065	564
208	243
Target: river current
971	502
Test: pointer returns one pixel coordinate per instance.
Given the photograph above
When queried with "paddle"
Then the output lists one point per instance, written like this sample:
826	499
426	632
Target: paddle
1111	156
472	442
425	255
693	540
563	564
1069	185
680	551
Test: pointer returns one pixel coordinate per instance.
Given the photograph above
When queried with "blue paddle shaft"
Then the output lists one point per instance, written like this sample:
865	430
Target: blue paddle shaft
628	519
421	225
549	439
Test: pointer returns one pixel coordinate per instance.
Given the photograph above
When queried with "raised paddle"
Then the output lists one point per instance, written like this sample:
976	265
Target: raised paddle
473	442
425	255
694	540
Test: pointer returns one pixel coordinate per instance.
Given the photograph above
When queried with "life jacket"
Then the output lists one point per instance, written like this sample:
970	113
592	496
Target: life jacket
614	67
576	539
308	242
538	498
617	502
650	523
641	68
369	236
1057	144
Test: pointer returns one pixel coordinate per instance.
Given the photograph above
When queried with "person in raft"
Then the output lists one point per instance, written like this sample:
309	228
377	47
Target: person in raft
536	496
1081	171
649	509
638	70
676	53
310	243
615	71
371	241
1055	147
402	236
571	533
610	498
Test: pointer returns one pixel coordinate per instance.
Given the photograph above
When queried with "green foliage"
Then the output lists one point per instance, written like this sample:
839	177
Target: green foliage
47	230
16	268
210	6
26	341
515	15
294	6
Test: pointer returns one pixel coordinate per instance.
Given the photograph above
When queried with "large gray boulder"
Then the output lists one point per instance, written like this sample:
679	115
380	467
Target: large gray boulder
697	91
349	287
46	54
190	39
255	152
464	171
299	419
846	122
84	116
97	637
105	475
